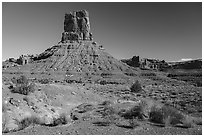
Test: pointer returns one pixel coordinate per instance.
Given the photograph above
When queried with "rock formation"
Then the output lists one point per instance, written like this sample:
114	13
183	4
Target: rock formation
76	52
134	61
76	26
78	57
24	59
146	63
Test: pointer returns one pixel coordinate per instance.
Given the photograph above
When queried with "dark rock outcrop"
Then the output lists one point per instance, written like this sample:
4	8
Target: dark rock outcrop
154	64
134	61
145	63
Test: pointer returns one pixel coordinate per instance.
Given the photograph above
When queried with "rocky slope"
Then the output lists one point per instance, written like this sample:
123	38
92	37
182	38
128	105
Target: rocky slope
83	57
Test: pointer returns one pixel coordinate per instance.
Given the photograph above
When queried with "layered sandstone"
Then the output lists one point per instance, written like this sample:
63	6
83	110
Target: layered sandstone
76	26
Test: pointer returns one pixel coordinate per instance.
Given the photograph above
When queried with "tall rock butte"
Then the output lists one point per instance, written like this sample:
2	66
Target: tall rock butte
76	52
76	26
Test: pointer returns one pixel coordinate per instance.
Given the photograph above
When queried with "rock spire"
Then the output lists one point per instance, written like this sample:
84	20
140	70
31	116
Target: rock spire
76	26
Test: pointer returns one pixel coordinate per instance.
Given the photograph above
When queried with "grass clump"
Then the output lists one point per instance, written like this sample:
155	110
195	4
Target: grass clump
136	87
166	116
23	86
158	114
108	114
26	122
135	112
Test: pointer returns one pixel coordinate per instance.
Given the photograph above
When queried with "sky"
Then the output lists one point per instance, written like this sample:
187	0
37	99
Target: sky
165	31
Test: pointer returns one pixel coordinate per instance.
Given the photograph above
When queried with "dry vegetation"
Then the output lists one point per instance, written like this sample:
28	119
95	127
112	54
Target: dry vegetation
22	86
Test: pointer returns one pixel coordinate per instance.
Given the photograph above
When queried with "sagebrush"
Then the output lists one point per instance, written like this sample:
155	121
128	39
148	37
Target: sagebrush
136	87
22	86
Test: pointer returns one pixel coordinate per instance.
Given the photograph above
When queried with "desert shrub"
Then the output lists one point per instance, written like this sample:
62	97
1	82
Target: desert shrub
108	114
20	80
27	122
132	115
22	86
137	111
134	112
106	111
176	117
61	120
148	74
102	82
44	81
156	115
24	89
136	87
166	115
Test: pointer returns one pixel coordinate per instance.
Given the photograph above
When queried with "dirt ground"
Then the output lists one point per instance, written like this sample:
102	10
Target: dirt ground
64	97
86	128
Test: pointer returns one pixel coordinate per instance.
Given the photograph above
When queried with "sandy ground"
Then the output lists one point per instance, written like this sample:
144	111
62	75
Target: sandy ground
65	96
86	128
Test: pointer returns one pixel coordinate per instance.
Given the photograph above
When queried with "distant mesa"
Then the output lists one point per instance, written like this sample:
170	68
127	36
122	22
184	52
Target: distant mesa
22	60
187	64
146	63
155	64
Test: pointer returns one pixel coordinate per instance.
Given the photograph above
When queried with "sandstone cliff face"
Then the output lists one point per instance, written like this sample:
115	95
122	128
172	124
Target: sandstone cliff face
76	26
